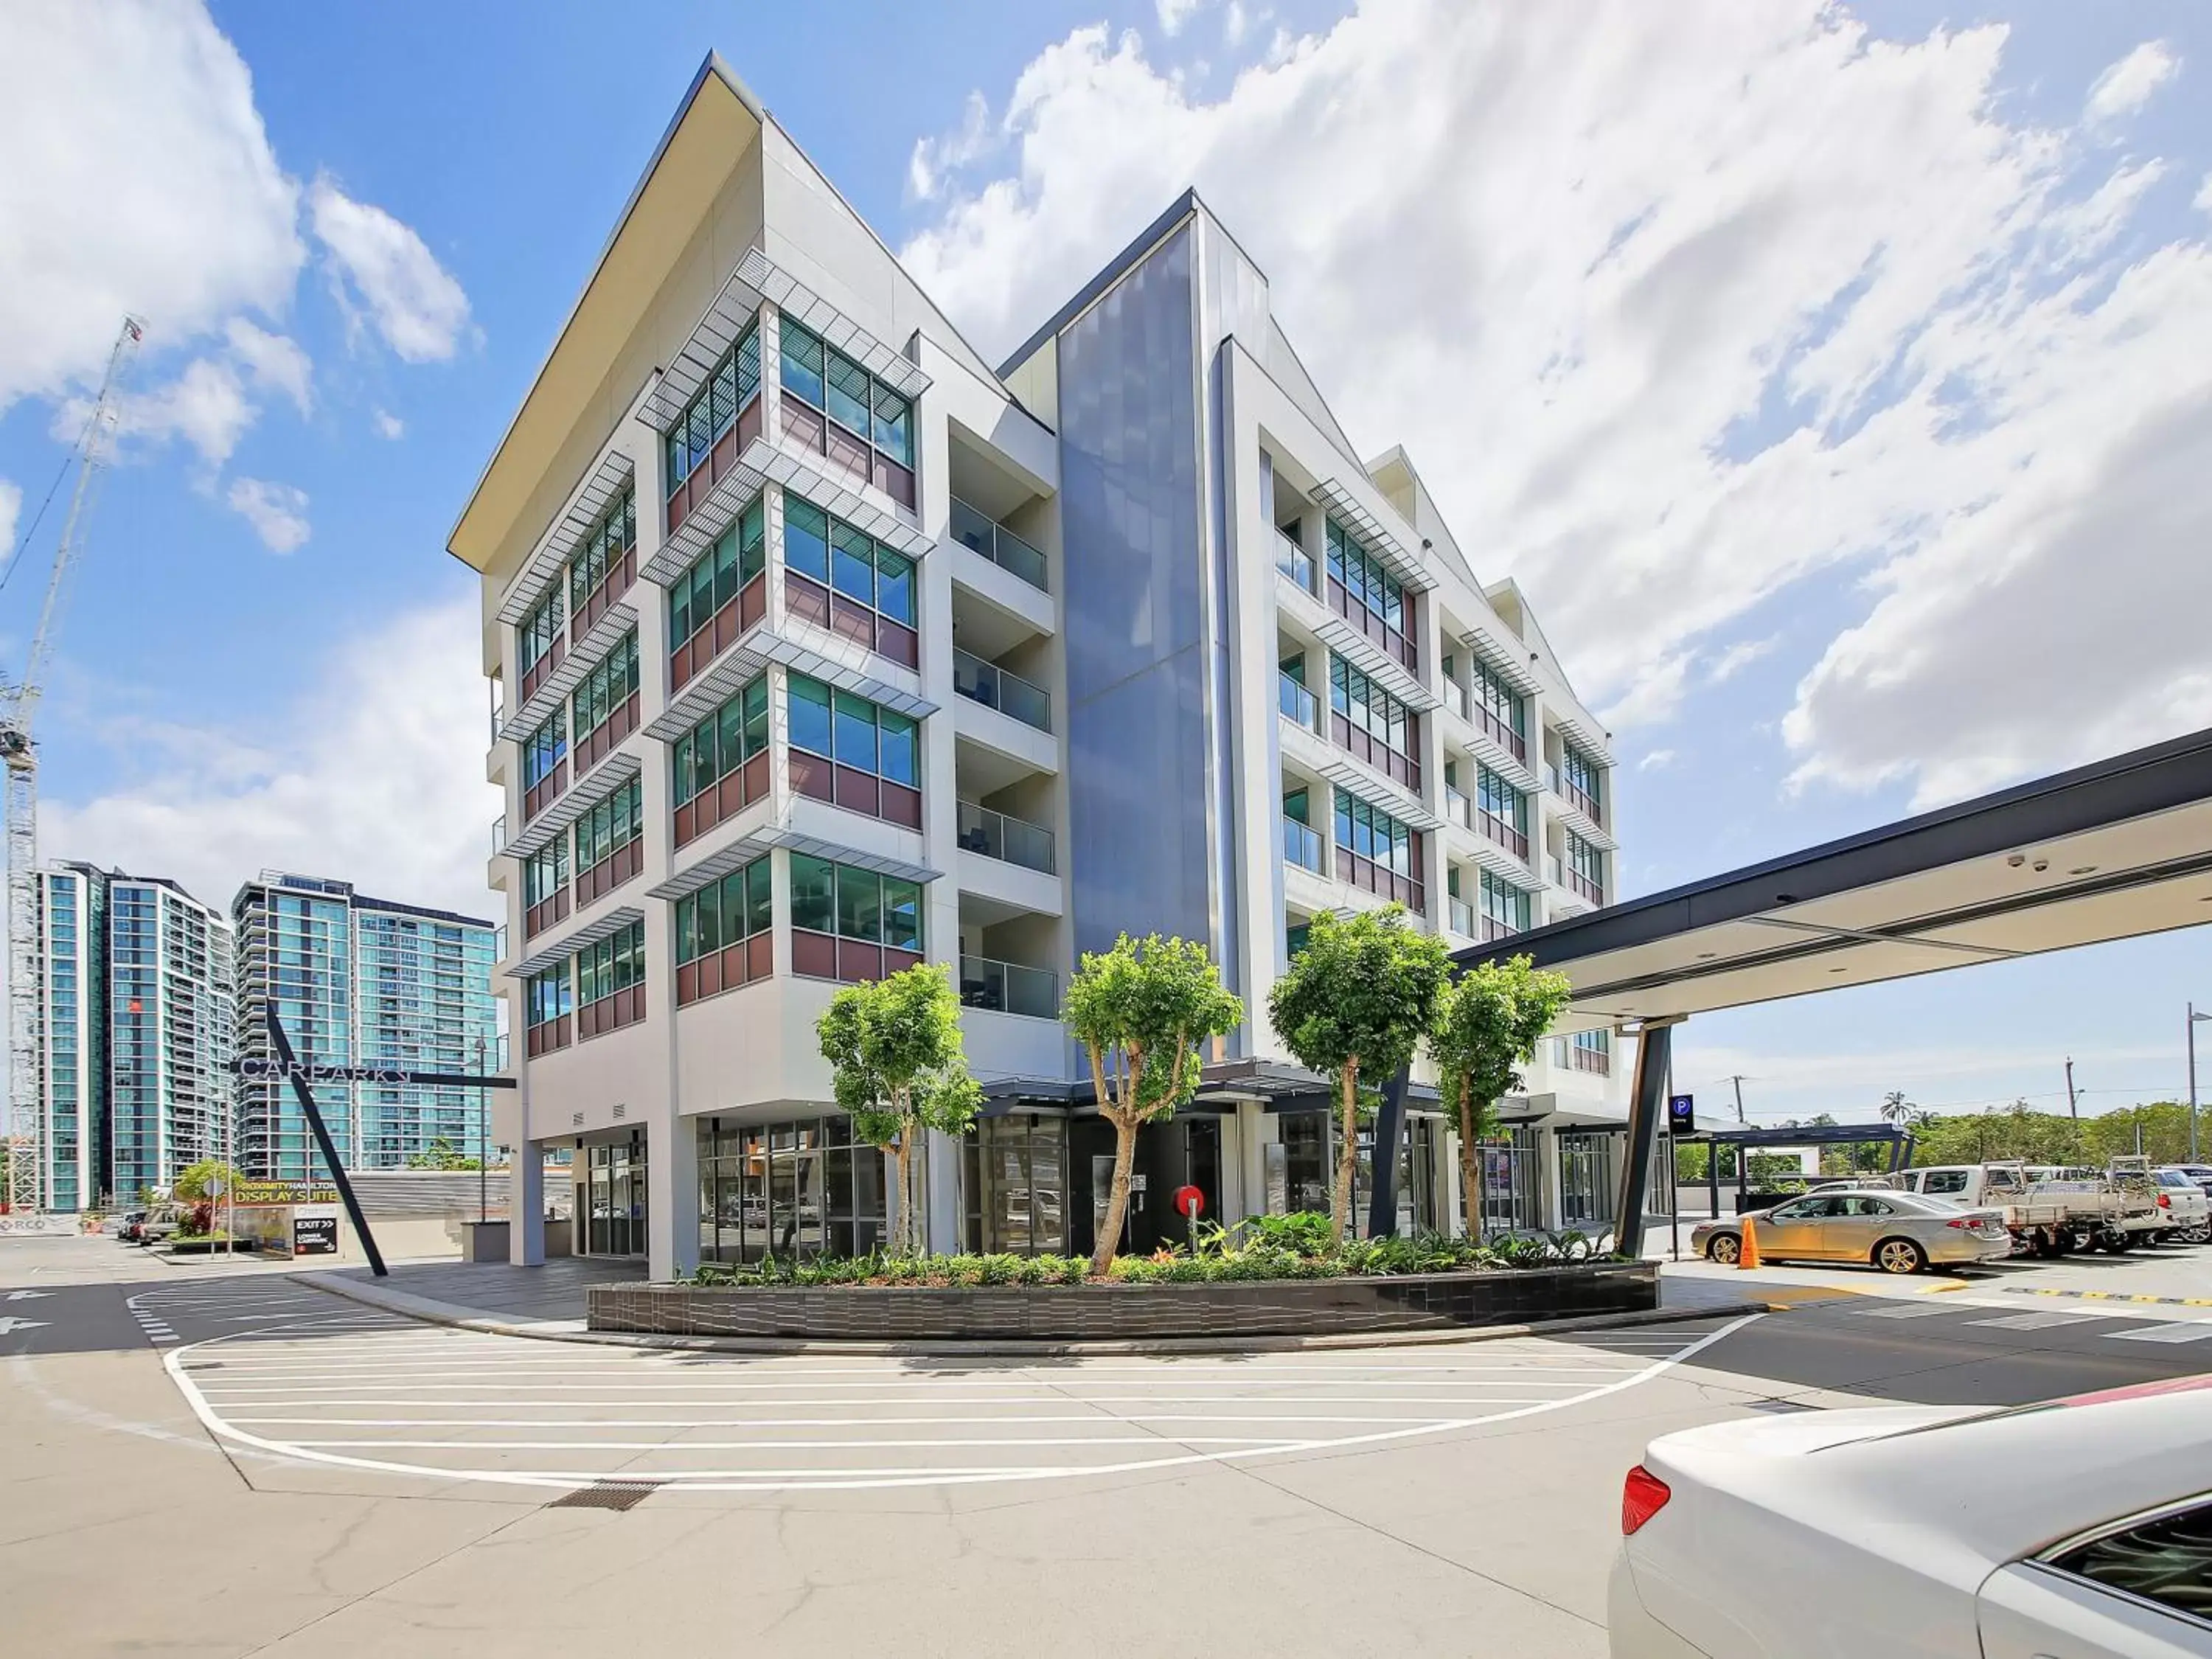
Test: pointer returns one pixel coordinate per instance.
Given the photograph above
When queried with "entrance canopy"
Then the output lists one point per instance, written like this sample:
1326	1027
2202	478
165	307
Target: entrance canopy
2108	851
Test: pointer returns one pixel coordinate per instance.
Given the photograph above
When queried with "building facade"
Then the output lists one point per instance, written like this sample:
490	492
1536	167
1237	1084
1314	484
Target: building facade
359	982
135	1034
825	646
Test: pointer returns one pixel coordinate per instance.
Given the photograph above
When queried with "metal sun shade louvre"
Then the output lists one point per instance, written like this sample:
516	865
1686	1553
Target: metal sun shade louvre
1371	659
1372	787
747	847
1500	759
762	645
1380	540
574	669
559	950
580	797
1510	664
614	473
764	462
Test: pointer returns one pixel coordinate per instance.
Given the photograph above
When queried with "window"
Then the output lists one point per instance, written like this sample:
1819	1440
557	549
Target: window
714	408
1382	855
609	827
549	995
859	737
721	743
717	576
1504	905
1938	1181
541	629
605	546
612	965
607	688
829	557
1364	591
544	749
1585	866
1499	709
2165	1560
1504	809
545	872
850	923
824	377
737	908
1580	774
1372	725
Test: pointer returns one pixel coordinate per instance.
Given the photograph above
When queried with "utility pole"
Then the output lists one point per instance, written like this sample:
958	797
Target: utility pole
2193	1017
2073	1102
1737	1079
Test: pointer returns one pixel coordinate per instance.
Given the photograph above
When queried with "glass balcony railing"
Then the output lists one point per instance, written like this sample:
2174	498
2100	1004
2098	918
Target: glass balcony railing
1009	988
1456	808
997	688
1463	918
1293	560
1294	701
499	835
1455	699
999	545
1012	840
1301	845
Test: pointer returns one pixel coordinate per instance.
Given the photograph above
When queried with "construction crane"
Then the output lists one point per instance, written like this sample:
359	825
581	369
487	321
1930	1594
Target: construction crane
19	708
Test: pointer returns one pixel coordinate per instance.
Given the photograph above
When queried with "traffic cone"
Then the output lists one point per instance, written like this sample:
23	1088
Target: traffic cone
1747	1255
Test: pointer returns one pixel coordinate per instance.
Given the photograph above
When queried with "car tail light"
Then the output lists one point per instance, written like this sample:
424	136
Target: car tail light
1643	1496
2165	1202
1964	1221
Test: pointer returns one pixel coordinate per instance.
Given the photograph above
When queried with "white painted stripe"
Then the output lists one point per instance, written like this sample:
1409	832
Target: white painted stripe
2195	1330
804	1445
1042	1397
841	1422
1902	1310
841	1390
779	1377
2034	1321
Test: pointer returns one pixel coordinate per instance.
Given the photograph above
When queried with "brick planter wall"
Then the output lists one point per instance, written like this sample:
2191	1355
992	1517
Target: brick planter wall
1128	1313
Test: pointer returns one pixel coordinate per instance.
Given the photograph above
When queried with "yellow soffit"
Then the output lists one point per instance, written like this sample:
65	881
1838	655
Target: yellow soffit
720	121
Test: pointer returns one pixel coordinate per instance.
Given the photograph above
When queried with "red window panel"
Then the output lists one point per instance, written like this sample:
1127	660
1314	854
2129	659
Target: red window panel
813	776
895	481
898	642
542	794
814	954
806	598
553	907
540	672
552	1035
857	960
901	804
858	792
601	600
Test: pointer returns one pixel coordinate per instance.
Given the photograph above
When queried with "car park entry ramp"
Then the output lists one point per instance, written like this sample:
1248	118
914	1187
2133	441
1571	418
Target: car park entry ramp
2113	850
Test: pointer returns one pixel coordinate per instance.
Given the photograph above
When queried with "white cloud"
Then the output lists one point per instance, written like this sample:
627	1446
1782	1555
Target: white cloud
935	156
1657	760
274	360
2128	85
11	506
388	425
278	513
382	267
1173	13
375	776
206	406
135	175
1741	298
2203	202
1737	657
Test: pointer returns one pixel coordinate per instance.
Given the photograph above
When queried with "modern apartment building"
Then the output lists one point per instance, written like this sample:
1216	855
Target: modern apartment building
824	646
359	982
135	1043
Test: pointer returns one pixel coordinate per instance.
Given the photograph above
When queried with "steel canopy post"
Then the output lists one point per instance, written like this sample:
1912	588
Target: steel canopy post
1389	1131
307	1098
1647	1107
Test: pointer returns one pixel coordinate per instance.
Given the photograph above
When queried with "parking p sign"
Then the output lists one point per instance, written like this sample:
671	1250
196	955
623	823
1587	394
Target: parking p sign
1681	1115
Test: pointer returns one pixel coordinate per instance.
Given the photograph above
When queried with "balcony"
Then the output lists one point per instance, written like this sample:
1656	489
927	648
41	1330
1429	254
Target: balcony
978	530
1001	688
1301	845
1293	560
1297	702
1457	808
1009	988
1462	918
499	835
1009	840
1455	699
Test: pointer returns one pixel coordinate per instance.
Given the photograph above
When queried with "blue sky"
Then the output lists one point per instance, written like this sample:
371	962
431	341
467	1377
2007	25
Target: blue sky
1808	368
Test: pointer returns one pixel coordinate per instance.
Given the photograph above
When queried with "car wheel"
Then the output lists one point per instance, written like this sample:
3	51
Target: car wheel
1899	1255
1723	1247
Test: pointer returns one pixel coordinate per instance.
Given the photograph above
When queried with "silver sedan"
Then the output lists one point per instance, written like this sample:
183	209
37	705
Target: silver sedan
1898	1232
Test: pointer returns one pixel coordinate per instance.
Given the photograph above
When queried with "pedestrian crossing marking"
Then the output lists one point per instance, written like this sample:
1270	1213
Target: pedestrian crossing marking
2034	1321
2188	1330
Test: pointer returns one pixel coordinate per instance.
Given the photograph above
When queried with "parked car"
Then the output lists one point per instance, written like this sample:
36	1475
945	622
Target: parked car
2199	1173
132	1230
163	1221
2186	1204
2080	1528
1898	1232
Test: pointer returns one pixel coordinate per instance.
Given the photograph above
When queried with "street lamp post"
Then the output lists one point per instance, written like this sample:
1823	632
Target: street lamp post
483	1146
2194	1017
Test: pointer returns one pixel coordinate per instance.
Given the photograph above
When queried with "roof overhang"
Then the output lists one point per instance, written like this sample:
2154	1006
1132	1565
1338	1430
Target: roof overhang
716	125
2110	851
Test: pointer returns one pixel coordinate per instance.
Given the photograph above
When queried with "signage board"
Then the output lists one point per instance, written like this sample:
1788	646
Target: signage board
1681	1115
285	1191
314	1232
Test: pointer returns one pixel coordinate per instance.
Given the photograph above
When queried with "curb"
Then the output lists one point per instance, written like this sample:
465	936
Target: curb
445	1314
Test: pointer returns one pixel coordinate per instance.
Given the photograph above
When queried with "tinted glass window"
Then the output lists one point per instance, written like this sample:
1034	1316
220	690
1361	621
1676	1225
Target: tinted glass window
2168	1561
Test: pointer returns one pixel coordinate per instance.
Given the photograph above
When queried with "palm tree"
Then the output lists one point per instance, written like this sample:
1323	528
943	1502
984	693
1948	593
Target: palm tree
1898	1109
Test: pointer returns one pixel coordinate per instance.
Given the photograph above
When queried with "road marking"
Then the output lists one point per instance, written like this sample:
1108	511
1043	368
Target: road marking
26	1296
10	1324
2036	1321
2112	1296
1903	1310
1234	1410
2193	1330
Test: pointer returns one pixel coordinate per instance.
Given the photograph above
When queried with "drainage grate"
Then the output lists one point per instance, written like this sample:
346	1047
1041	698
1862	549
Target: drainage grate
1781	1407
606	1495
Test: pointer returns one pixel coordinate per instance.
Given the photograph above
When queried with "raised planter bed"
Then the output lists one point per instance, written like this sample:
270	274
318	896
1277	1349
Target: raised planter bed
1129	1313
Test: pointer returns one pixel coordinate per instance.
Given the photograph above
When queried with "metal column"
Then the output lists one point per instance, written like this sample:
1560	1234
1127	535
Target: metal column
331	1160
1383	1162
1647	1110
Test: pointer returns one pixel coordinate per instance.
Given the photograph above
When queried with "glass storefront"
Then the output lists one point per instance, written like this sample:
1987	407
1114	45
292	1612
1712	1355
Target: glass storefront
1310	1166
803	1187
1512	1182
1015	1185
1589	1180
610	1203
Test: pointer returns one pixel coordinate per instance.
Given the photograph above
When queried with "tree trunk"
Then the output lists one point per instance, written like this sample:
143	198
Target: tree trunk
1470	1165
1347	1152
904	1232
1117	1203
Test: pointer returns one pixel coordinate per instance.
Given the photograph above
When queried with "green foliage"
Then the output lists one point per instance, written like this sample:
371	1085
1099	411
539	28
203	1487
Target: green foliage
1264	1251
1362	994
196	1183
1487	1026
1143	1009
898	1066
440	1154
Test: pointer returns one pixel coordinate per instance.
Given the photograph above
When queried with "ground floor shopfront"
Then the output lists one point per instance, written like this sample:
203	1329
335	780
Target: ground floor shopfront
1035	1182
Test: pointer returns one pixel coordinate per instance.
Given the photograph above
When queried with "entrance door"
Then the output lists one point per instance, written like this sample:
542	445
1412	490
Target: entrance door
1202	1162
612	1199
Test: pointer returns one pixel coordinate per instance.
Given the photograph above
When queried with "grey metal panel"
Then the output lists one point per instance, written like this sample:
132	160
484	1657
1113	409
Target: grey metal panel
1129	505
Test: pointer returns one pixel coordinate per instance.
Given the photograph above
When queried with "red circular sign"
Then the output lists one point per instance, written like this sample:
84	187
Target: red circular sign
1189	1201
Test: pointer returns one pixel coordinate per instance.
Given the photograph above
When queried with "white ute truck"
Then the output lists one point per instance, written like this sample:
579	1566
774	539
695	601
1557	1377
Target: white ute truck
2045	1218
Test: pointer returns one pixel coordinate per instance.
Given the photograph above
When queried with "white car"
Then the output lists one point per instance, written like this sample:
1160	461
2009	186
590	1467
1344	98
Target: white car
2078	1529
2185	1205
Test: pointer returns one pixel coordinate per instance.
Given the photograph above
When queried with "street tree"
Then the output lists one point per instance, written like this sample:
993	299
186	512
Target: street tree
899	1069
1898	1109
1142	1011
1358	1000
1488	1023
